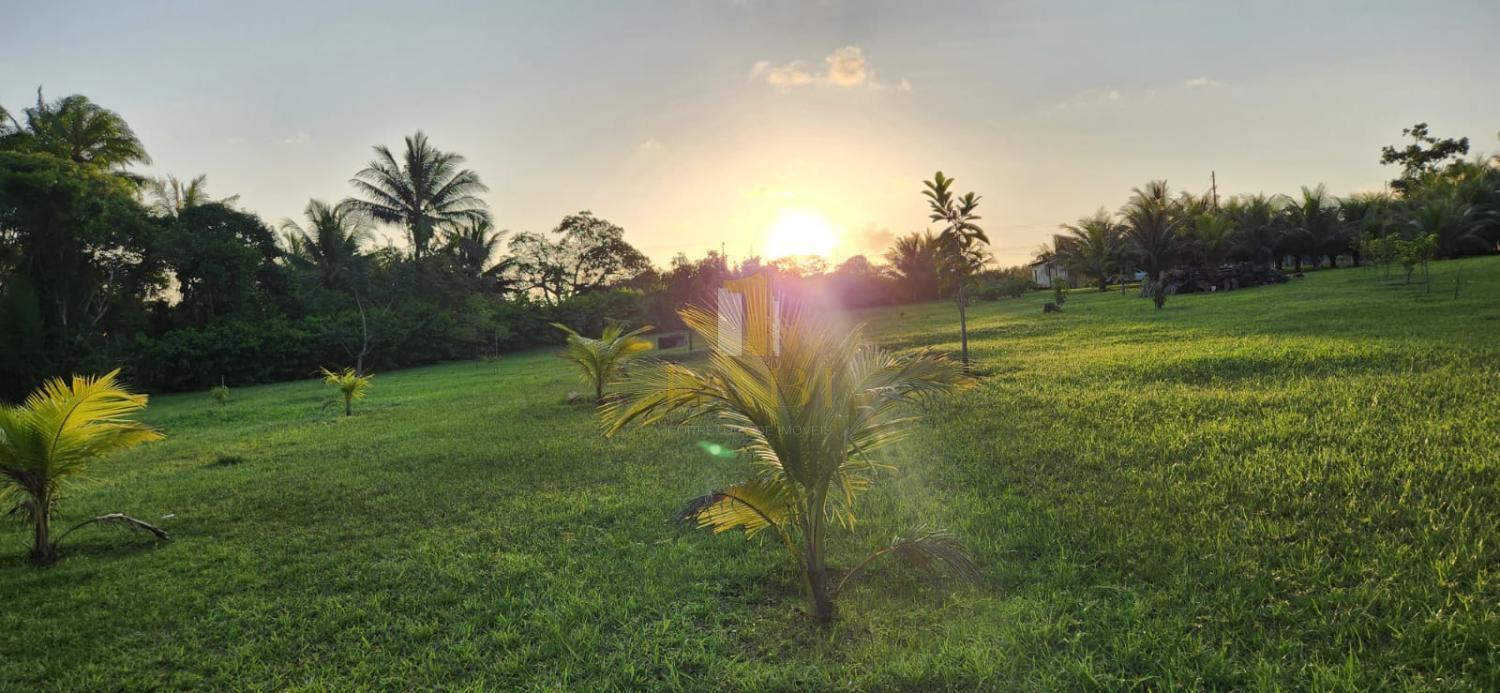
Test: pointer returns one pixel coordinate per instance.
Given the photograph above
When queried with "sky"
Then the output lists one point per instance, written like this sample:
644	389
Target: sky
705	124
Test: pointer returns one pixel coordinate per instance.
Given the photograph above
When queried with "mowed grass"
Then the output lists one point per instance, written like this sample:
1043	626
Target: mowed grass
1292	486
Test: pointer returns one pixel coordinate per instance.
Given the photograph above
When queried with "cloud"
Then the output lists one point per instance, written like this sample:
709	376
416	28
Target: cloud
299	138
650	146
1089	98
784	78
847	68
1202	83
235	140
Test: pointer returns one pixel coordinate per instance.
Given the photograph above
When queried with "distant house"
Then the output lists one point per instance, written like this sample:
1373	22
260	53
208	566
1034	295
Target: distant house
1045	272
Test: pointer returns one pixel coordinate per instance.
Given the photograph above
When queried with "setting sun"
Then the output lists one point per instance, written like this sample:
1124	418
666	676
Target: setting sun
800	232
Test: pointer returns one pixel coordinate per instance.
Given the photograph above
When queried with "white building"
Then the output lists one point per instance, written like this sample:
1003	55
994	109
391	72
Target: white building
1045	272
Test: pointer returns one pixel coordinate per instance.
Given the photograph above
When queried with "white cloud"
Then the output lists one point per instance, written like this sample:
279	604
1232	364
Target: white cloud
1089	98
235	140
1202	83
847	68
299	138
650	146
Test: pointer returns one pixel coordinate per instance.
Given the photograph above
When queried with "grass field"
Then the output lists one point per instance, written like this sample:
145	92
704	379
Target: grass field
1294	486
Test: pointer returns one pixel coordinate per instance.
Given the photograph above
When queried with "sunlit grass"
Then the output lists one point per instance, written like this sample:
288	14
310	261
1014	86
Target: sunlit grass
1291	485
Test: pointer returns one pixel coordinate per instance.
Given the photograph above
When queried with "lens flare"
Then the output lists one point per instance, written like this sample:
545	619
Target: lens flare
715	450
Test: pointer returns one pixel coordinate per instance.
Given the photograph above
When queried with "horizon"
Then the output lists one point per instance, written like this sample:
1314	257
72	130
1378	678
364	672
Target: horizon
829	115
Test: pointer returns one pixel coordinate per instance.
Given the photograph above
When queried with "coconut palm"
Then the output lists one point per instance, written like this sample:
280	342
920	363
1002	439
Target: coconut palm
1212	238
1450	221
1366	217
425	191
913	259
80	130
1153	231
170	196
814	406
1255	219
55	436
1093	247
350	384
601	361
330	242
961	256
472	244
1313	227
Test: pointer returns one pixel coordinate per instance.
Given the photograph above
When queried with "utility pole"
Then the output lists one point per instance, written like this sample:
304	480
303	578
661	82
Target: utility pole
1213	178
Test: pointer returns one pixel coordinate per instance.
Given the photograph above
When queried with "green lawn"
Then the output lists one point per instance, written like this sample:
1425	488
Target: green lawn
1286	486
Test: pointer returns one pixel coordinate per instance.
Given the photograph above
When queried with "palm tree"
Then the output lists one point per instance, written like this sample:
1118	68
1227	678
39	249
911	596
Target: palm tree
55	436
77	129
1093	247
960	257
8	125
170	196
1366	217
601	361
1255	219
1450	221
1212	238
350	384
425	191
472	244
1153	232
330	242
813	406
913	260
1313	228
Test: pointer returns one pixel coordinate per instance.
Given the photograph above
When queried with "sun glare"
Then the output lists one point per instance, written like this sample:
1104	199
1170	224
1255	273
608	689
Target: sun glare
800	232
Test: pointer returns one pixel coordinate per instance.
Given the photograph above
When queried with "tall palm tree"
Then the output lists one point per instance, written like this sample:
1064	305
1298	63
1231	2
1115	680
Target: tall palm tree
600	361
330	242
1153	230
82	131
55	436
472	244
170	196
961	256
1312	226
1093	247
814	407
425	191
913	260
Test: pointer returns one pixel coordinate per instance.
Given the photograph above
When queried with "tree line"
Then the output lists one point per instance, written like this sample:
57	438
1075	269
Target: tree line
103	268
1441	205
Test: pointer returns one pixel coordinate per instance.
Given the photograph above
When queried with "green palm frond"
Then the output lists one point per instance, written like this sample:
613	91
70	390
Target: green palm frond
812	407
601	361
57	433
77	129
350	383
425	191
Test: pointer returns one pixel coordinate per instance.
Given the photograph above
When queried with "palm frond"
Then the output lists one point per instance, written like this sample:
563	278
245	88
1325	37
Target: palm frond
925	550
